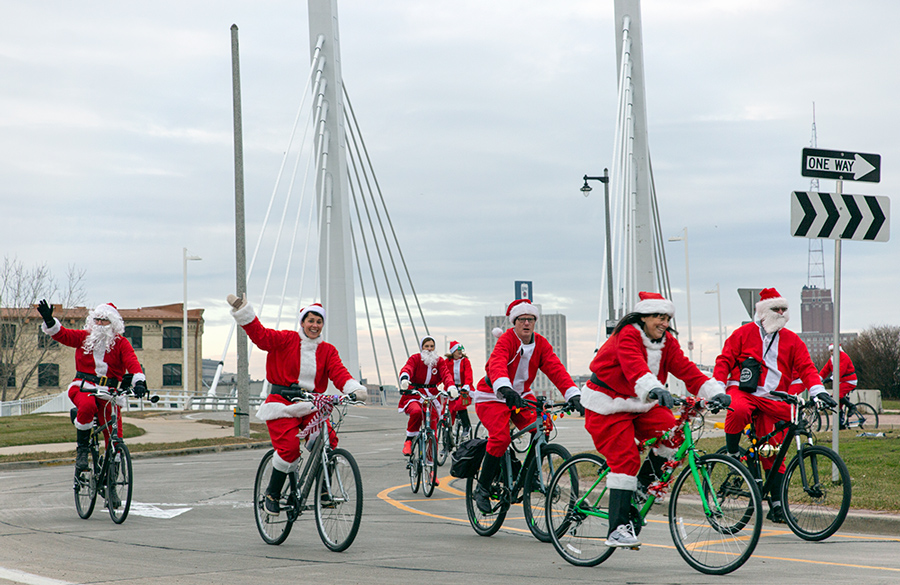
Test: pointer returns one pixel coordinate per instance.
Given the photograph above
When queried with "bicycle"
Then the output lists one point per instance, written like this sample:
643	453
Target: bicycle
814	505
714	507
859	415
337	495
422	461
526	482
520	442
109	473
445	438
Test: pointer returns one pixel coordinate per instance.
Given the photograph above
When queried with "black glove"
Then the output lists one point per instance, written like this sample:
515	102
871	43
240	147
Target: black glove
663	396
513	400
826	399
574	403
46	312
718	402
140	389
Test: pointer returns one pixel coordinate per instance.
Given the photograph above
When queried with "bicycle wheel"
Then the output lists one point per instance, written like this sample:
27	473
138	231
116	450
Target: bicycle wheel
577	516
429	464
863	416
537	484
814	509
715	522
340	502
272	529
444	441
414	465
487	524
86	486
480	431
813	419
119	482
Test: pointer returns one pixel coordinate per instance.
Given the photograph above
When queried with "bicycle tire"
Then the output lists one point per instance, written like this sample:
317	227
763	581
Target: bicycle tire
338	515
85	485
813	418
444	441
480	431
818	511
867	417
578	519
537	484
273	529
487	524
459	433
721	540
119	481
429	464
414	465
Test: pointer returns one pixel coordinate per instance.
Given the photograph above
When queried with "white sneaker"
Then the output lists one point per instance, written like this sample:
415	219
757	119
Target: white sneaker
623	537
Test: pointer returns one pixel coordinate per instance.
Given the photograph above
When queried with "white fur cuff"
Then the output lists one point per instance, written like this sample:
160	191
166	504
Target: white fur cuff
644	385
620	481
273	410
709	389
244	316
51	331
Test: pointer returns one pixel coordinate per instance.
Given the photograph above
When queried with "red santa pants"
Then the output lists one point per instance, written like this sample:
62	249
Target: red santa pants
284	433
614	435
90	407
415	412
764	413
461	403
496	416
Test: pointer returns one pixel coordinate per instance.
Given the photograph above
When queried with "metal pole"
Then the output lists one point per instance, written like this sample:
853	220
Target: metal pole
185	369
719	302
836	354
609	280
687	281
242	411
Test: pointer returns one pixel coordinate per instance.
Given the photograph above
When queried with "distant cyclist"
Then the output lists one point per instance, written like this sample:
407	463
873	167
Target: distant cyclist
423	371
461	368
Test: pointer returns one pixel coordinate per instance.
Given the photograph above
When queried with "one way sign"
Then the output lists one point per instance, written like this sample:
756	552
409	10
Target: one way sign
840	217
846	166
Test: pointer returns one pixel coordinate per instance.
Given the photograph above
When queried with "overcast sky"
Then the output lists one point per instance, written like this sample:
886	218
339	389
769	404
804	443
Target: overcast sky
481	118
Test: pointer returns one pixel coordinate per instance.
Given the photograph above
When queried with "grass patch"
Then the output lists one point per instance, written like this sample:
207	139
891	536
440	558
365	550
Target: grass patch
37	429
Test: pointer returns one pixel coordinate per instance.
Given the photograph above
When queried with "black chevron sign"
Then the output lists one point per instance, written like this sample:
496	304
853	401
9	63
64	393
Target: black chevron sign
840	217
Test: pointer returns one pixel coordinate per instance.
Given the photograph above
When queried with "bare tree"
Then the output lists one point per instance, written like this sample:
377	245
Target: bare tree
876	357
23	346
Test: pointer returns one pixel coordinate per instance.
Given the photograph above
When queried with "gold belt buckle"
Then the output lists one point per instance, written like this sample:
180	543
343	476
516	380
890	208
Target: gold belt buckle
103	380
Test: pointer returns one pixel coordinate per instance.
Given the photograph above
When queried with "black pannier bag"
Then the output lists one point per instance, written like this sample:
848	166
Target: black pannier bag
465	461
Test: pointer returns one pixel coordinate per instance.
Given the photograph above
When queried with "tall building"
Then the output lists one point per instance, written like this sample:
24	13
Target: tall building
551	326
817	322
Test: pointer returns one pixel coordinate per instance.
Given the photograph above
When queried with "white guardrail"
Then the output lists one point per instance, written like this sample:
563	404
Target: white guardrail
176	400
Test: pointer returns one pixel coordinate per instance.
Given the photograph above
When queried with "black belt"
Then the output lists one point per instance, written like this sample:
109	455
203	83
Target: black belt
599	382
289	392
423	385
99	380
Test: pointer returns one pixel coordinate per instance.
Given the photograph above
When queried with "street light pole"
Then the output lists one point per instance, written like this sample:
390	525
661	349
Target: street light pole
184	329
687	280
586	190
718	294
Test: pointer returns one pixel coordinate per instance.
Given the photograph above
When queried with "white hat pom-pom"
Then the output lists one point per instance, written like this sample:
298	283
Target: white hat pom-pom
496	332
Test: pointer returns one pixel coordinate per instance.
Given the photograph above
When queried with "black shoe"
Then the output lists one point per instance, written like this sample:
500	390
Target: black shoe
776	515
272	507
81	459
114	502
483	500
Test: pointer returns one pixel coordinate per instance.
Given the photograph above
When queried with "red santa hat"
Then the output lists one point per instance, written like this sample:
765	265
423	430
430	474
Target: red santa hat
521	307
654	303
454	345
110	312
768	299
316	308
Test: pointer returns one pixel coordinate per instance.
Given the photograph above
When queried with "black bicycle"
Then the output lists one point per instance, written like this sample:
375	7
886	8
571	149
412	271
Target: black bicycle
330	478
816	490
526	482
422	463
109	472
858	415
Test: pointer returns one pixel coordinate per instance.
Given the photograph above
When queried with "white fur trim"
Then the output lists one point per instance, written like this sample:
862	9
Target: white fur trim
644	385
285	466
763	306
84	427
314	308
306	378
245	315
620	481
603	403
273	410
424	339
412	434
51	331
816	390
106	311
573	391
524	309
500	383
710	388
653	306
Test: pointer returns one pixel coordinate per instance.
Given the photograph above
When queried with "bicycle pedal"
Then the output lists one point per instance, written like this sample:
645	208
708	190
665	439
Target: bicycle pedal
638	547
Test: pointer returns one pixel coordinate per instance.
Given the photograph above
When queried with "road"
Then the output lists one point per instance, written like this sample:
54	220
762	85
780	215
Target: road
192	522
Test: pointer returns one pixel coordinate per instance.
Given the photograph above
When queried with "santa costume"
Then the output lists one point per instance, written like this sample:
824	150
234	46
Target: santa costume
423	371
461	370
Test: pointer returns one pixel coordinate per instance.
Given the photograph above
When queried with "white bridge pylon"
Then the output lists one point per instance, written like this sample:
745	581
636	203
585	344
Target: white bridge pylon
344	228
637	252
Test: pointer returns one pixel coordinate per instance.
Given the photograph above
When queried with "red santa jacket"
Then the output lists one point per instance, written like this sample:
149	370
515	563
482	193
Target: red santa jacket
515	365
293	358
420	374
629	365
461	370
848	374
783	359
115	363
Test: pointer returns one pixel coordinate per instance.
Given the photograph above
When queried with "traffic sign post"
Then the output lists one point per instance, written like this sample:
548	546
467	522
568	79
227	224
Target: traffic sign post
839	217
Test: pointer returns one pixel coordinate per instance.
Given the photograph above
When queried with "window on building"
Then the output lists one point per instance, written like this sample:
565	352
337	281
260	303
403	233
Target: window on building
7	335
171	337
171	374
48	375
134	334
45	341
8	375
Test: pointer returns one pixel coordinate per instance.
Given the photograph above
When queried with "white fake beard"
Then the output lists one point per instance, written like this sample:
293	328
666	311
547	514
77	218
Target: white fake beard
429	358
100	337
772	321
